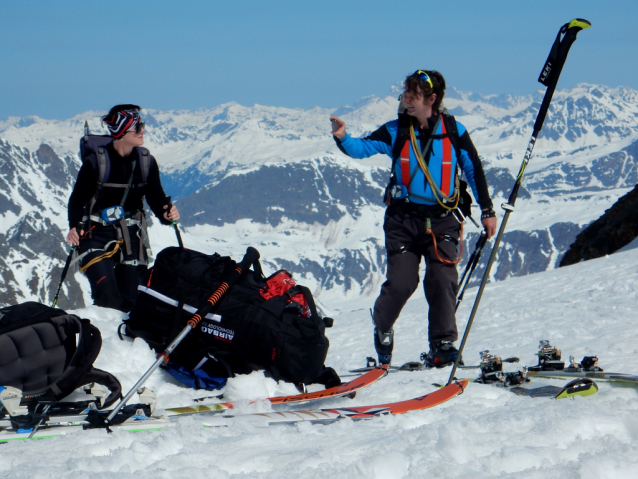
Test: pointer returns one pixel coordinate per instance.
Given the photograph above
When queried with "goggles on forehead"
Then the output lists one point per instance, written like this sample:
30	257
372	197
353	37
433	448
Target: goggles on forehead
425	77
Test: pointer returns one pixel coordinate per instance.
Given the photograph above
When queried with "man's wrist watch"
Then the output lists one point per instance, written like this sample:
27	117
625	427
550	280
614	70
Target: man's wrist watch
489	213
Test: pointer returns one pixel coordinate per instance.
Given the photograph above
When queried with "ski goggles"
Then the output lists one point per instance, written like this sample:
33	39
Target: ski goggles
112	214
425	77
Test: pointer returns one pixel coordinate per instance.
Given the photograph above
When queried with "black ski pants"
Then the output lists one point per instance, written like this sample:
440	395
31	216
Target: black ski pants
113	285
406	242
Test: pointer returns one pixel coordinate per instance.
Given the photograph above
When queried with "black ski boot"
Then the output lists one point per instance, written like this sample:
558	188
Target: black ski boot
441	354
384	343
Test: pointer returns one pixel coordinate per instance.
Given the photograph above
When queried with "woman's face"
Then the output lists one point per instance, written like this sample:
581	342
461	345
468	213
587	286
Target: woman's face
133	138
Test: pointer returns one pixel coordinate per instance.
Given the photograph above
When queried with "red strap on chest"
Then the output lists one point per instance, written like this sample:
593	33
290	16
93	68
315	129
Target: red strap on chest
446	166
405	164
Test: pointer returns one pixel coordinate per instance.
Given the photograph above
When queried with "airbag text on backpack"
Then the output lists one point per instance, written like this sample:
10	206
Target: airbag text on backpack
219	332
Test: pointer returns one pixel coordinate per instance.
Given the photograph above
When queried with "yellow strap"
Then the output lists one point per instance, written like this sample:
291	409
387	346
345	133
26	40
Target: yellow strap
97	259
440	197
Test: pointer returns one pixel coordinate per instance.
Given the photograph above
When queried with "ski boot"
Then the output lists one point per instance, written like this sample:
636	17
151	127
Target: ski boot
548	358
384	343
441	354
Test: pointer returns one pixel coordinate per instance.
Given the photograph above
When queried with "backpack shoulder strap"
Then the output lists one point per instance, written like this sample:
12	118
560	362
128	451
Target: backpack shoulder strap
104	167
403	135
79	369
453	131
145	162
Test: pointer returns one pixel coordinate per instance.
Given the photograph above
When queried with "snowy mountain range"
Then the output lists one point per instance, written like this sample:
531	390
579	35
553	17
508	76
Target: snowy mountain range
273	178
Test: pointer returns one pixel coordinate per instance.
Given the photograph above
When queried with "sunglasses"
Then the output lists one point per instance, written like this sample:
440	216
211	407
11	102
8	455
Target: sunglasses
138	128
425	77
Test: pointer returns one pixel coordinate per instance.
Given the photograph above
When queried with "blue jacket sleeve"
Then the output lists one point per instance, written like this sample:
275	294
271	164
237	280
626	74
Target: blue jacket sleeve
473	169
379	141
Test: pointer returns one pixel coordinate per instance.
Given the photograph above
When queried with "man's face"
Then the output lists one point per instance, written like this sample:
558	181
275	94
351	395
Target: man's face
417	105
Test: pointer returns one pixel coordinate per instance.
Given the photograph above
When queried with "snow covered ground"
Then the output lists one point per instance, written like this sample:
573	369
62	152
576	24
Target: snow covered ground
586	309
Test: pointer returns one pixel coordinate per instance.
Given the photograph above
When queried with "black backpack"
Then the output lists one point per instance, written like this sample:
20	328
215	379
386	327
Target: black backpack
244	332
97	144
47	353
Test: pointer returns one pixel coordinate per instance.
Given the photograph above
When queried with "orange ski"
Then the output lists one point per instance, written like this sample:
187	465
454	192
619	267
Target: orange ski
356	412
341	390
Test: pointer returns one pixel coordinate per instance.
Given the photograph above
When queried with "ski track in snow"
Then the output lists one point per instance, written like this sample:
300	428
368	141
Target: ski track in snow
586	309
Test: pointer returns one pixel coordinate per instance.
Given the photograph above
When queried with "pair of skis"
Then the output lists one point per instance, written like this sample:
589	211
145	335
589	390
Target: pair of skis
140	417
580	385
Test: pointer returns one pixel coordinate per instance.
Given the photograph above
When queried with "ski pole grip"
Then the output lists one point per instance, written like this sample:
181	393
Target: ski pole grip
573	27
482	240
554	65
174	223
169	205
578	24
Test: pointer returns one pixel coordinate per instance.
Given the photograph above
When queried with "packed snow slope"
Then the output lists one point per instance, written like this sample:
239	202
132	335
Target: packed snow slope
585	309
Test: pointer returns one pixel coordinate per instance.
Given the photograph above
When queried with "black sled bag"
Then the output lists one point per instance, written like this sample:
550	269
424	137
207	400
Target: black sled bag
244	332
47	353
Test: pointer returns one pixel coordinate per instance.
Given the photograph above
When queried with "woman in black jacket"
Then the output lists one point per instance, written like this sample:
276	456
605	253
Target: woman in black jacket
106	213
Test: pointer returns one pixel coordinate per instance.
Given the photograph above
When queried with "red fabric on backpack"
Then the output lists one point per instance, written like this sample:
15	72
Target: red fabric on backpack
278	284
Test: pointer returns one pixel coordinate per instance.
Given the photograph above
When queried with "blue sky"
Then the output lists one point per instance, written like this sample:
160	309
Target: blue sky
65	57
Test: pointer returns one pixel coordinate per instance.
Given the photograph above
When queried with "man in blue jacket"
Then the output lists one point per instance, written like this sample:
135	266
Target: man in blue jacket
423	218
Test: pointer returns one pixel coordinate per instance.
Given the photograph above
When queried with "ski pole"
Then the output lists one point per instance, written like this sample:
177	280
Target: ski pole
472	263
250	257
548	77
174	223
64	272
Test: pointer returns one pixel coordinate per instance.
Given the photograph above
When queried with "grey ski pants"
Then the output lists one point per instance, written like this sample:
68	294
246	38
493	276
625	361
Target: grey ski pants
402	278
